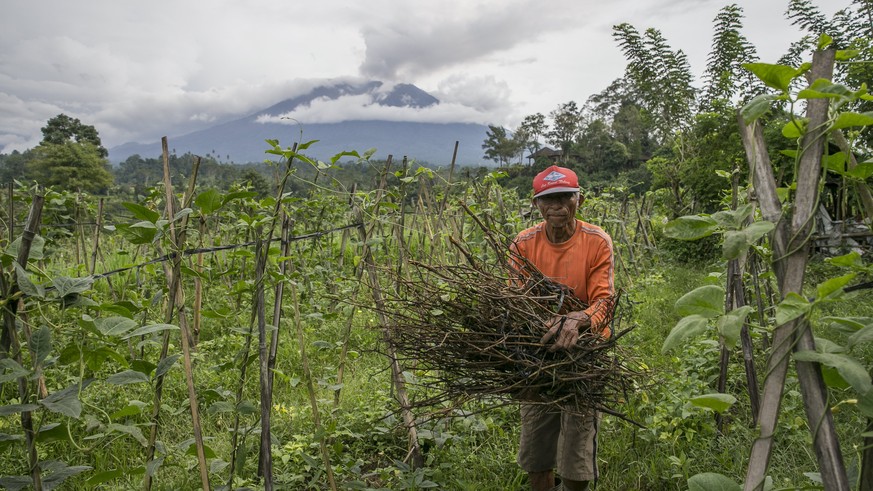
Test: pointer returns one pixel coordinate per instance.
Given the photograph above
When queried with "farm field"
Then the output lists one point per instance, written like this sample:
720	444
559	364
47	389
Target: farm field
357	323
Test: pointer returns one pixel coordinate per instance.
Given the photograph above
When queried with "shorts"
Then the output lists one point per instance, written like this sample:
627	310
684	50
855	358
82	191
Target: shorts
553	438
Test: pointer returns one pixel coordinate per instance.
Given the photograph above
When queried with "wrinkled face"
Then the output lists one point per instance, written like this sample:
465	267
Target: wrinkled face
558	209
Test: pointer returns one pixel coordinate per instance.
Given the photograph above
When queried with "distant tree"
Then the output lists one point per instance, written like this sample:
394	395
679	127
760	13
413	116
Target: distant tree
565	128
70	165
598	151
499	146
62	128
725	78
532	128
14	166
660	78
256	181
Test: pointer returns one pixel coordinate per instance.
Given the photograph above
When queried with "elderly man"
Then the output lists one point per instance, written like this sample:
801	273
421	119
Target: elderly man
578	255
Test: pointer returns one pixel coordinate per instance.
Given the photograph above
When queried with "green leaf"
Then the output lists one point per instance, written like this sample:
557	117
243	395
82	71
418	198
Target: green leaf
127	377
733	219
237	195
37	246
15	483
133	431
690	227
823	42
220	407
142	366
850	260
138	234
790	308
182	213
825	89
95	358
208	452
129	410
833	286
150	329
153	465
735	244
730	324
718	402
711	481
850	369
53	432
247	407
846	54
41	343
166	364
65	286
340	155
115	326
862	171
56	472
142	213
68	405
849	119
865	404
757	107
794	129
776	76
864	335
706	301
835	163
27	287
11	370
756	230
17	408
687	327
106	476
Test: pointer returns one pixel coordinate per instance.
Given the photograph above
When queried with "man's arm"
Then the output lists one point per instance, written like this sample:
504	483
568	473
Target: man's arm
601	289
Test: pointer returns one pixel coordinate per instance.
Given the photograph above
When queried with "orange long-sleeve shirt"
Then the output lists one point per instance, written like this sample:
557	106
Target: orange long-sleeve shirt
584	263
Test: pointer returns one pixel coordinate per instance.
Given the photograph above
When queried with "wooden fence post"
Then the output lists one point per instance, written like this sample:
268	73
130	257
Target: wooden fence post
790	241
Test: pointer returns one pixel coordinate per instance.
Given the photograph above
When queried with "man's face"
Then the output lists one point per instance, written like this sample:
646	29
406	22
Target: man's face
558	209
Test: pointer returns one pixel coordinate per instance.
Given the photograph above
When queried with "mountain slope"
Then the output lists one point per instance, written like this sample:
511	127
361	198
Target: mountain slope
242	140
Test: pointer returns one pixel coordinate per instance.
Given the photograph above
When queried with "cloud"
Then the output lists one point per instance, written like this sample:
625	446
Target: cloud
364	108
424	40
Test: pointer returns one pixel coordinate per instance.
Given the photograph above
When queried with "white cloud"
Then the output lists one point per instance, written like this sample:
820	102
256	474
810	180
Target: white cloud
141	70
363	108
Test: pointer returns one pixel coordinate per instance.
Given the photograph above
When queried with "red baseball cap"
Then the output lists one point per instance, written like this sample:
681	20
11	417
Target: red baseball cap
555	180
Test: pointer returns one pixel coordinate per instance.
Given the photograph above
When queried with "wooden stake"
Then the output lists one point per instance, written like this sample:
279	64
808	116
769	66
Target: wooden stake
791	252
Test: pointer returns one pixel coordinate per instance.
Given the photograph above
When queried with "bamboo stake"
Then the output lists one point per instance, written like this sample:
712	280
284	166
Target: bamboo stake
97	227
265	466
790	252
398	379
11	346
176	304
198	287
310	388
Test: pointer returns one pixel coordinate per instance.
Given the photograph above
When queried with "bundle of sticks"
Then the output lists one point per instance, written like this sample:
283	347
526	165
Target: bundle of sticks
473	332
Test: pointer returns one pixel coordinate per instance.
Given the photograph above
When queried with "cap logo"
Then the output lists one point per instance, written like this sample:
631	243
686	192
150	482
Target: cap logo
554	176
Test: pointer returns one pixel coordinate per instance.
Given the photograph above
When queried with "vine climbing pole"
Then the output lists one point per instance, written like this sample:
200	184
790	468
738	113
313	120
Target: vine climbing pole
791	247
10	346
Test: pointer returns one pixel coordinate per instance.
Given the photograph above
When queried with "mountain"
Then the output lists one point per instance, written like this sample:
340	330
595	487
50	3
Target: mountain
242	140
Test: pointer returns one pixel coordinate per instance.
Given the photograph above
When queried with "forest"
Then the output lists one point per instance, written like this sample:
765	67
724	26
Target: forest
175	322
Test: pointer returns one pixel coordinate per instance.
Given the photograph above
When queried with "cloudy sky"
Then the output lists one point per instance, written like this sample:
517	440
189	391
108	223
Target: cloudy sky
141	70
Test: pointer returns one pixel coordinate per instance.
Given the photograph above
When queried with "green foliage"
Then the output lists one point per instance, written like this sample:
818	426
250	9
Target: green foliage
63	129
70	165
500	147
724	77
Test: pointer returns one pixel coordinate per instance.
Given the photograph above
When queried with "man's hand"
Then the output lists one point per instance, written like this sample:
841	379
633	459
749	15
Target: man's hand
565	329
